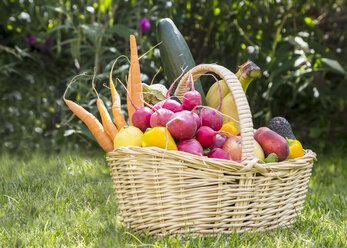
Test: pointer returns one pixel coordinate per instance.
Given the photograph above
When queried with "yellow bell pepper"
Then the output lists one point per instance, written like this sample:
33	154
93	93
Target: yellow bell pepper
295	149
157	137
230	128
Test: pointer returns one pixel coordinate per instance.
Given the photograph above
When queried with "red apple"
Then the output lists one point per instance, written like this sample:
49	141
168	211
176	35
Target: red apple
271	142
233	146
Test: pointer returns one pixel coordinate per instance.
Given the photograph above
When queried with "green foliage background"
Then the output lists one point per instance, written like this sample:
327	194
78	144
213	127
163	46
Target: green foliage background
299	45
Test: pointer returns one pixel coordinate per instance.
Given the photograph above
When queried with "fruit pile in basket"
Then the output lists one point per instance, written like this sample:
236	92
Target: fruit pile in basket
195	124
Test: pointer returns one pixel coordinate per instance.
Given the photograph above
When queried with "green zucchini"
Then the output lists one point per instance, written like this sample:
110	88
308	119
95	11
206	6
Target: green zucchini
175	53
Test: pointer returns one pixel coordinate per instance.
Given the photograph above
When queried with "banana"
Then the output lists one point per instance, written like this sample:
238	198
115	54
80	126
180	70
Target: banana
246	73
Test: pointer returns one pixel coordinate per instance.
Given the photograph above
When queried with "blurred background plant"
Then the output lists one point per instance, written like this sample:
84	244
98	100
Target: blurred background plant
299	45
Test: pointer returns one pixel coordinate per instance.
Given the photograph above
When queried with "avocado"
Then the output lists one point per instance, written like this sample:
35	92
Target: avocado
281	126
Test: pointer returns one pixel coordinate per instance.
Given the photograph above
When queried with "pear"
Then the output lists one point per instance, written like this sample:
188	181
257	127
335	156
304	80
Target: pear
229	109
258	151
246	73
213	96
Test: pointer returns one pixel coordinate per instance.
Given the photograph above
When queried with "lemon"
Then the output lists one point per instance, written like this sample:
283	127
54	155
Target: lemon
295	149
128	136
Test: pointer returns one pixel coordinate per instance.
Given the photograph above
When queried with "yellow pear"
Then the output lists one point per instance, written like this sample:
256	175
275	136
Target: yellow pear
229	108
246	73
213	95
258	151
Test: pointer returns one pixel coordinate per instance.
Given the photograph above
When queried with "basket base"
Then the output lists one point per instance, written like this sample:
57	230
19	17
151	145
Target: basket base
186	232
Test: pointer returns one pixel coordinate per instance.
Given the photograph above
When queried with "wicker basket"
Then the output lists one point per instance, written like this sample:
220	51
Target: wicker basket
172	192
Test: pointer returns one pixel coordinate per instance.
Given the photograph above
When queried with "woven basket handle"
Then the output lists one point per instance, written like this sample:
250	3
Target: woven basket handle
244	113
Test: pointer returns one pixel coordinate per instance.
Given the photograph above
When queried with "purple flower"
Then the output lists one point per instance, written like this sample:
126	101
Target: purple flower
47	45
31	40
145	25
77	67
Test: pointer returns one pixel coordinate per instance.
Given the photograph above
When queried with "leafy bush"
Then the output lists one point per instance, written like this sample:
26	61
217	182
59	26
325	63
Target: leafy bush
298	45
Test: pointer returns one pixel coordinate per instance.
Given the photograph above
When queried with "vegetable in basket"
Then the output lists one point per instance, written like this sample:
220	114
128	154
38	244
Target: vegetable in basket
134	80
219	142
107	122
159	137
210	117
116	103
192	98
191	146
142	115
169	103
219	153
182	125
207	136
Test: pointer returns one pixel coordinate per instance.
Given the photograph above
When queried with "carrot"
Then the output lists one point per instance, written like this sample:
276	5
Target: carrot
134	78
107	123
116	103
91	122
131	108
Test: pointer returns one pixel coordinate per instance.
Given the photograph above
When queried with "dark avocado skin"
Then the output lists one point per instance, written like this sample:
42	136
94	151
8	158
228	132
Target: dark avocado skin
281	126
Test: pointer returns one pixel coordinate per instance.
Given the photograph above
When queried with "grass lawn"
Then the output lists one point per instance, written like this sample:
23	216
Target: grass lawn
68	201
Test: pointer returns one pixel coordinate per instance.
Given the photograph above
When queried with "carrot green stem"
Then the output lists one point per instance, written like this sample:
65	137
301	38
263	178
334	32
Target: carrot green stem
173	84
111	72
131	101
74	79
93	84
155	75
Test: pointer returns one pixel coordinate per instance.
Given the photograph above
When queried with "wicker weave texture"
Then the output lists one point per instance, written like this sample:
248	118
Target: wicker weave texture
176	192
173	192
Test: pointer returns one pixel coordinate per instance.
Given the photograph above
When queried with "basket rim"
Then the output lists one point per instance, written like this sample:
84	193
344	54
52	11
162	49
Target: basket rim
252	165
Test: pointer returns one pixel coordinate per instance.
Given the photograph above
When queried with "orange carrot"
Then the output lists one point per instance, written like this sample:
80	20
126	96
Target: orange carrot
116	104
131	108
134	78
91	122
105	117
